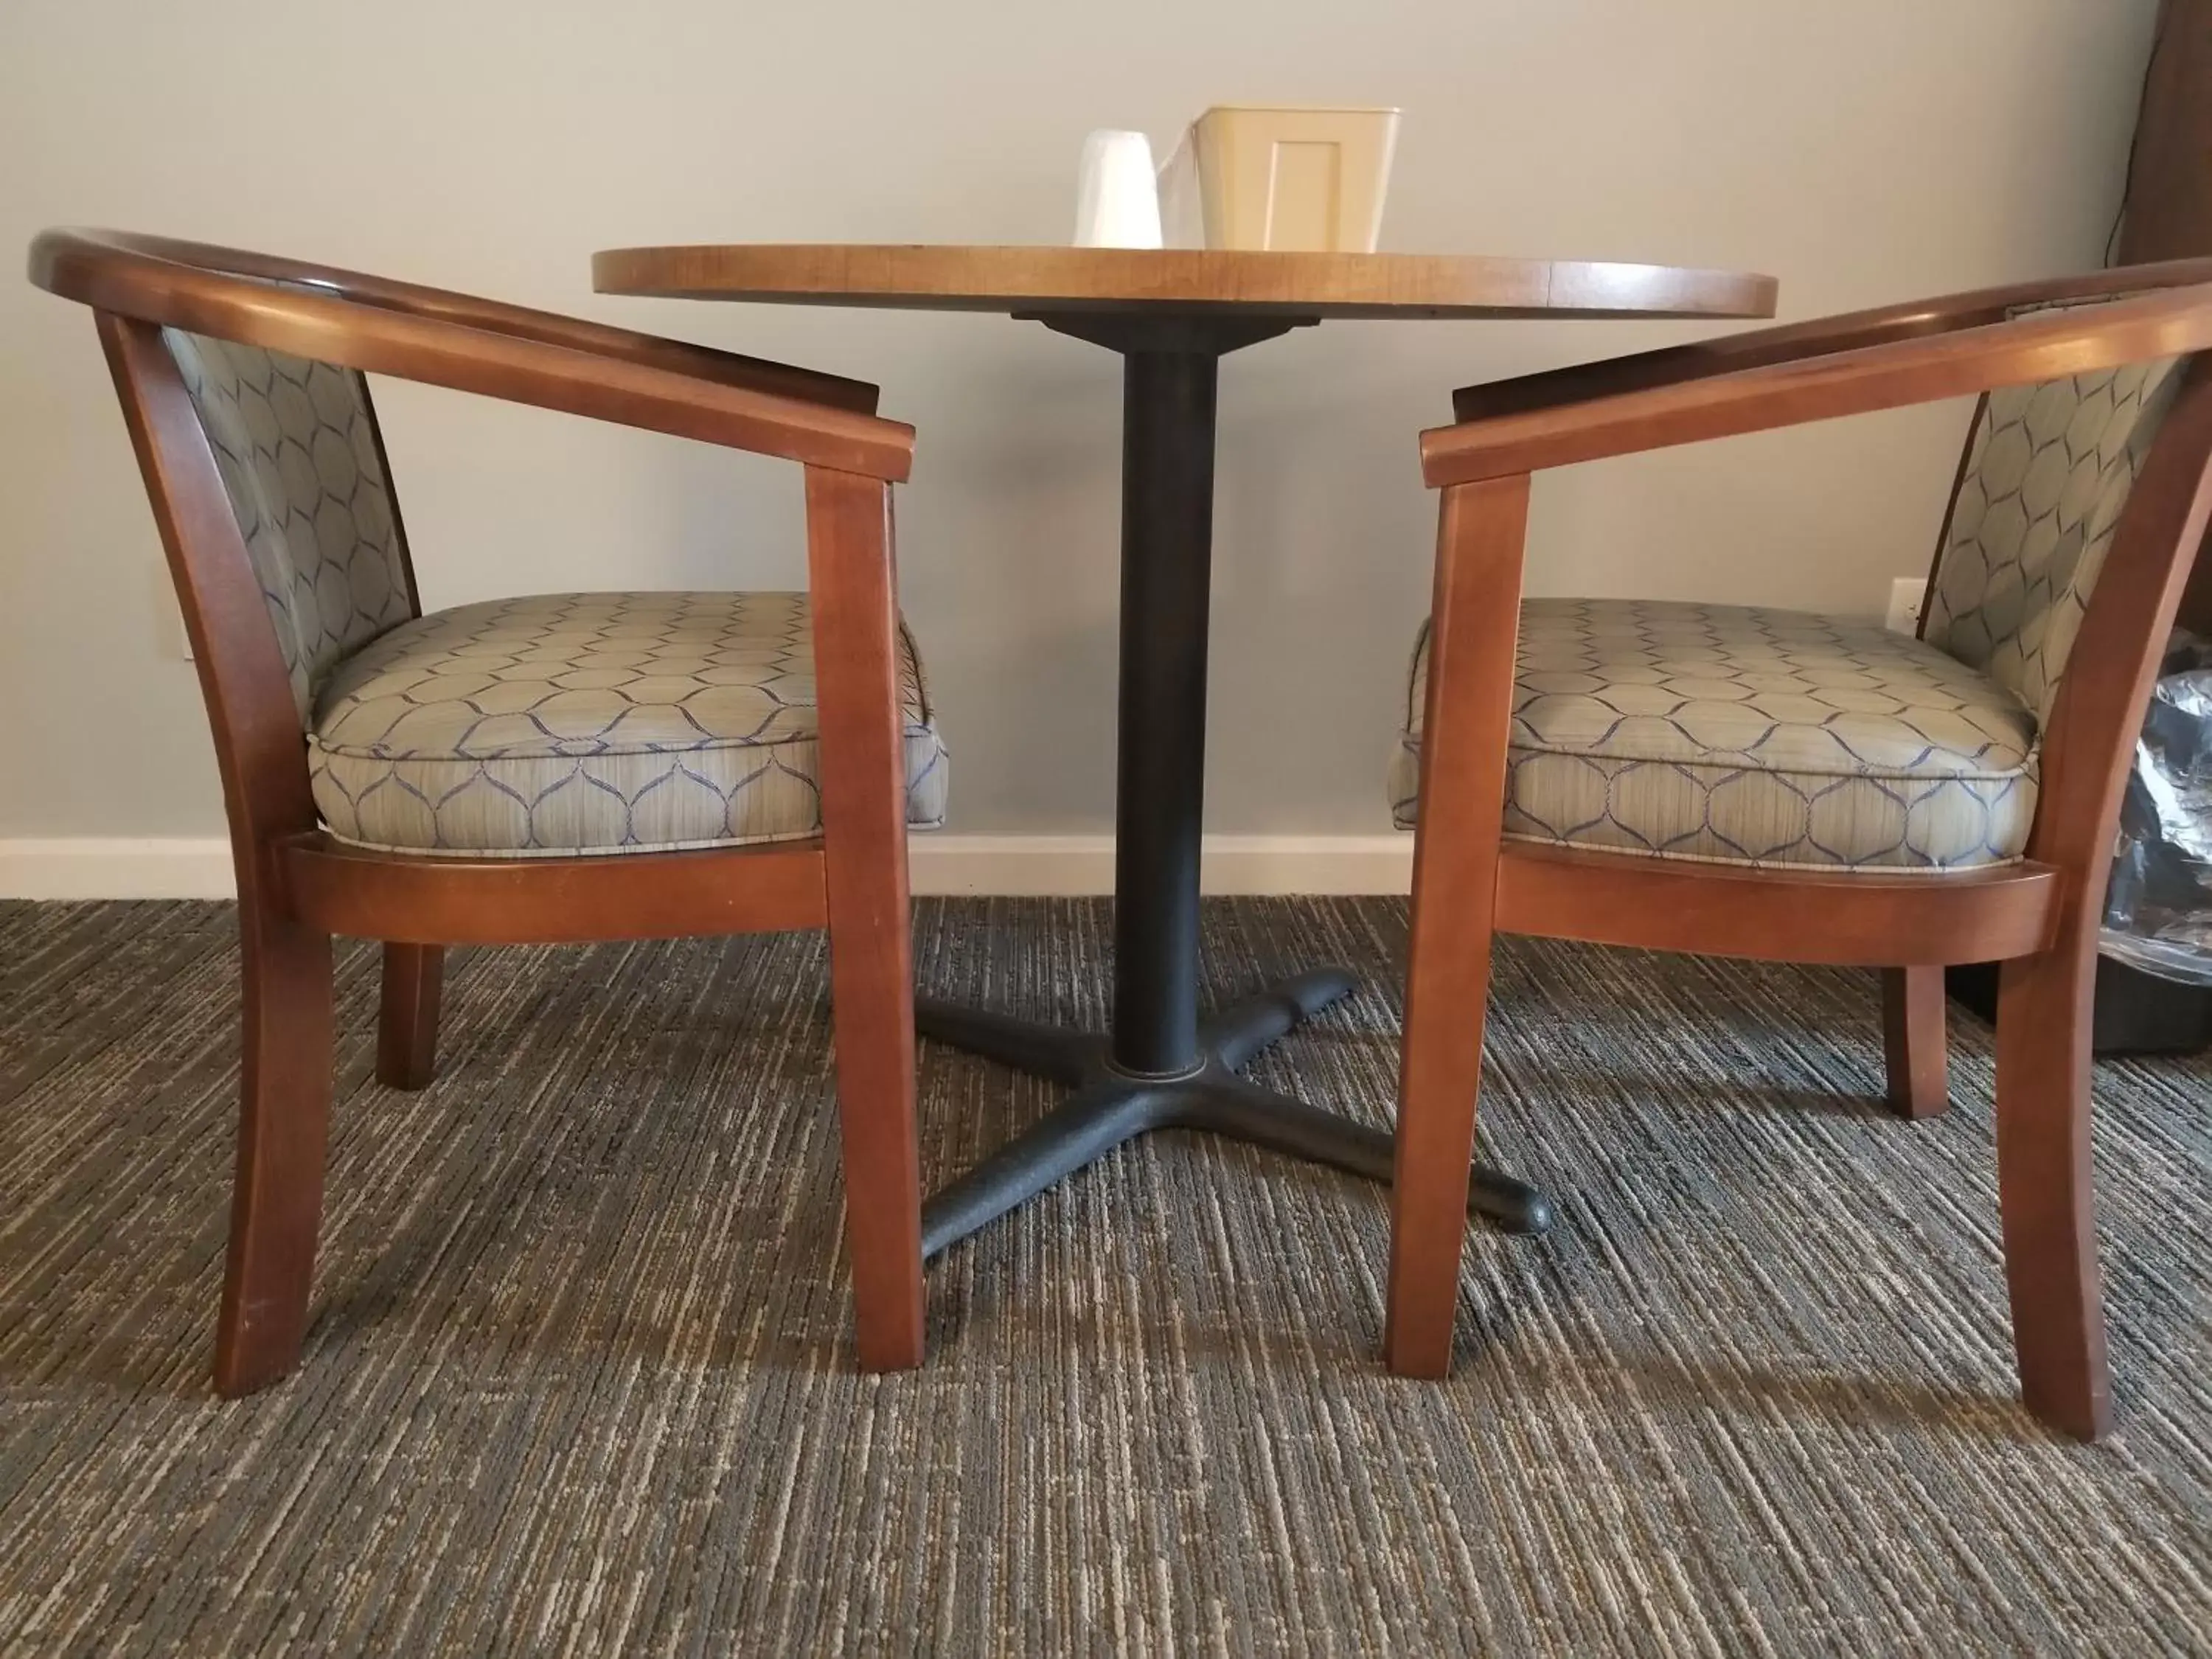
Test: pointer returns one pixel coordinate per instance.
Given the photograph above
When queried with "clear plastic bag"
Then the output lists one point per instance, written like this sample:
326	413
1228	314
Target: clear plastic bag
2158	910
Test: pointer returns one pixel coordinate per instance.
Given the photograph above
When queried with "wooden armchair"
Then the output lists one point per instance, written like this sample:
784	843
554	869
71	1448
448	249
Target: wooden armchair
565	768
1764	784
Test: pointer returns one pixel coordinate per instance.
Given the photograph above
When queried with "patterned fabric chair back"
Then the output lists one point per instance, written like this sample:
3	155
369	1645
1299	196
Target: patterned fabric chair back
296	444
2049	470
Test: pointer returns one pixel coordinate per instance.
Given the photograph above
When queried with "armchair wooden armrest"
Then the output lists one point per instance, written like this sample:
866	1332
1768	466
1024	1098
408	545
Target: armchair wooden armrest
1911	359
478	346
601	339
1819	336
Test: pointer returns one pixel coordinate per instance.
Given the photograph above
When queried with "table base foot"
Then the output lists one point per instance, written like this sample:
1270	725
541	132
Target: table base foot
1068	1058
1109	1107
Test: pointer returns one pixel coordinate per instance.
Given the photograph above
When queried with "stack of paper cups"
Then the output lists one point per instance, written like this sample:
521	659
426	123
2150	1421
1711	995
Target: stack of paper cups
1118	205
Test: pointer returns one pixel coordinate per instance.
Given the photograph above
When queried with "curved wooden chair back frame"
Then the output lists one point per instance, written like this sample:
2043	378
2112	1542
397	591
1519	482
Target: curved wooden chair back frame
297	886
2038	917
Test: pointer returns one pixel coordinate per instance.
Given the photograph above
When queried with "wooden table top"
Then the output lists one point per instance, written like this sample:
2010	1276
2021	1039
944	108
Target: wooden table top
1030	280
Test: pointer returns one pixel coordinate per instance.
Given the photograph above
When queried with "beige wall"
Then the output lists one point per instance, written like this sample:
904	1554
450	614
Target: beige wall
1859	149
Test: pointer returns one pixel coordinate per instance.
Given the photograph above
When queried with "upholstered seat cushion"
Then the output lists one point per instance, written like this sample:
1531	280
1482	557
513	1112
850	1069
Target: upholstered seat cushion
1752	737
591	722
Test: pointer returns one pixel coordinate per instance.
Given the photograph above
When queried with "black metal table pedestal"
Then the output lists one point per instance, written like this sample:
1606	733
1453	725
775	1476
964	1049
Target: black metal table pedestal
1159	1068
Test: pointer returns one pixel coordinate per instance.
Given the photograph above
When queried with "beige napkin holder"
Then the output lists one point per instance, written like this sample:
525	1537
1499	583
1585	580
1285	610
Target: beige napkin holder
1296	180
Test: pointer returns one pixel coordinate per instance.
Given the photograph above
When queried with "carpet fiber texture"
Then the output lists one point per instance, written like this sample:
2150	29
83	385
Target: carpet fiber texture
580	1376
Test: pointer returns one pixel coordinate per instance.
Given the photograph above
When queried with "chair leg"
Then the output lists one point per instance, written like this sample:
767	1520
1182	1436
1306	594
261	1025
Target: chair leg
1440	1079
407	1023
1472	624
870	947
283	1134
1912	1021
2044	1186
872	996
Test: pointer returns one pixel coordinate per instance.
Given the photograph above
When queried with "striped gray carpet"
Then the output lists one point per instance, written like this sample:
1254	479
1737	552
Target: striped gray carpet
579	1381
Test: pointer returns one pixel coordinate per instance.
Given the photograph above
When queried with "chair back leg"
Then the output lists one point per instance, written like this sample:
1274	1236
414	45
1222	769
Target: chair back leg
1913	1010
284	1130
407	1020
2044	1183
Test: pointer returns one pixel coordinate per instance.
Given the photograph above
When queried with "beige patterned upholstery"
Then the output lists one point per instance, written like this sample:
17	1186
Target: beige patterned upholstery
1771	738
296	445
2050	468
572	723
1738	735
591	722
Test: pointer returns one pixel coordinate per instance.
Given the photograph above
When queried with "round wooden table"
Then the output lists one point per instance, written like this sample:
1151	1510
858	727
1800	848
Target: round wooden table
1172	315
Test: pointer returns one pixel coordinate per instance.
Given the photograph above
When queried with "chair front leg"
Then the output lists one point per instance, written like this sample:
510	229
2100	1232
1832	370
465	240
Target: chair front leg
283	1131
2045	1184
863	811
1473	627
1913	1012
407	1018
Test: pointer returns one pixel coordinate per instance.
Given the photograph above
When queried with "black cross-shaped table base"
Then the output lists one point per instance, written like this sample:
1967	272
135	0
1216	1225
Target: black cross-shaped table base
1162	1067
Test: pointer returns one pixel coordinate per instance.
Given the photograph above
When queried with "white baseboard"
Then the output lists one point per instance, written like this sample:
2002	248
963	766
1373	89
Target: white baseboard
1073	864
199	867
101	866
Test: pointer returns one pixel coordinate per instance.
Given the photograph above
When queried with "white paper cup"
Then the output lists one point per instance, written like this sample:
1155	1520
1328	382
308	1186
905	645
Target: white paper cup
1118	200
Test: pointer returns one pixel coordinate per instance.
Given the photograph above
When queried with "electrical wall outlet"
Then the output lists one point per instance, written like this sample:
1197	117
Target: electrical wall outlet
1906	595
